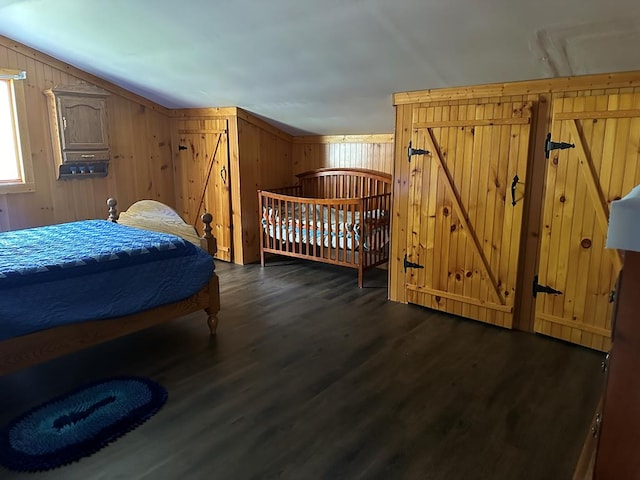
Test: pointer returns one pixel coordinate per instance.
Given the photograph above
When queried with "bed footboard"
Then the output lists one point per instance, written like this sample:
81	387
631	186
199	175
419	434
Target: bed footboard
211	292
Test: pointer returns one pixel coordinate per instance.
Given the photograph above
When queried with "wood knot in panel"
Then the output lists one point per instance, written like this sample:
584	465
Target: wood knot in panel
585	243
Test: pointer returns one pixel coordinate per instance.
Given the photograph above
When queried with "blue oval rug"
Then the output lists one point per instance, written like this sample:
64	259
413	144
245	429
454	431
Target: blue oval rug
79	423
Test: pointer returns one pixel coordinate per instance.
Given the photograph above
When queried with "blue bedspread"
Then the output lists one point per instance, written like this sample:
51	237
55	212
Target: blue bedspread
92	270
78	248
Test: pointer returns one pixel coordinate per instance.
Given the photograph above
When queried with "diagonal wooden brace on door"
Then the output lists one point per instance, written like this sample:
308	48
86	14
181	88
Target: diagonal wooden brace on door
593	187
206	182
464	218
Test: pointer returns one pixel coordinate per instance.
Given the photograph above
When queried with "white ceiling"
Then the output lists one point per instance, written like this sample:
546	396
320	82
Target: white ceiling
324	66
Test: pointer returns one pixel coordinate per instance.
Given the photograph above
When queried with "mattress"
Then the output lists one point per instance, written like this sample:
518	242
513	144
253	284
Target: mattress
92	270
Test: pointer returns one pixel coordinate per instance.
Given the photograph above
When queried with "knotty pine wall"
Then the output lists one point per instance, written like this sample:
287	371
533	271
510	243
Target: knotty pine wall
374	152
140	141
264	162
542	92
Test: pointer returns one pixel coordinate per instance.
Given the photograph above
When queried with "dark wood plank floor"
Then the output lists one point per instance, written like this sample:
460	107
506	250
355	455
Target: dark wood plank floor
311	377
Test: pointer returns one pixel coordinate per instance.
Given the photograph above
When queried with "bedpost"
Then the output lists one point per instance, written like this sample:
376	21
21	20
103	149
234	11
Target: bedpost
212	246
214	286
113	212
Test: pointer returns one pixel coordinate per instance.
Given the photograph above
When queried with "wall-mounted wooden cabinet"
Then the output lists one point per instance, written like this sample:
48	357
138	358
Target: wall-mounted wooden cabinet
79	130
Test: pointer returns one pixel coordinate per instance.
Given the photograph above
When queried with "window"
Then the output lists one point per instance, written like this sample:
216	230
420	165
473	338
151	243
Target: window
16	170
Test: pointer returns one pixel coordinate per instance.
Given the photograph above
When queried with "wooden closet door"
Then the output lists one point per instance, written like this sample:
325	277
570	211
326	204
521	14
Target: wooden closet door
463	228
197	149
581	183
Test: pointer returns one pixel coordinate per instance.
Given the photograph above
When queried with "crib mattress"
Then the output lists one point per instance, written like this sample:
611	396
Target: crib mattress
319	225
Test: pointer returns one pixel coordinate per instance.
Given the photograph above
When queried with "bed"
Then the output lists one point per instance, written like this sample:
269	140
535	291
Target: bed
339	216
69	286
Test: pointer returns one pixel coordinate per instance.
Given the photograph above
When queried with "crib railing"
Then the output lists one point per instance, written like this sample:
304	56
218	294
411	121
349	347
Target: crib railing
343	183
349	232
375	229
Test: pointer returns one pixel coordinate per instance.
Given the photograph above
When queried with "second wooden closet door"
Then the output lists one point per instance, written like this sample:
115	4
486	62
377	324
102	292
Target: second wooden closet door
581	183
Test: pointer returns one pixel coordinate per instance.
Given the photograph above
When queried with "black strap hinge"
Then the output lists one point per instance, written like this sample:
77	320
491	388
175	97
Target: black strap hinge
416	151
549	145
408	264
537	288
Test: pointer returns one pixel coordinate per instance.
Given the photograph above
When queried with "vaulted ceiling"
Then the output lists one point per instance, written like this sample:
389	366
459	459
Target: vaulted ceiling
324	66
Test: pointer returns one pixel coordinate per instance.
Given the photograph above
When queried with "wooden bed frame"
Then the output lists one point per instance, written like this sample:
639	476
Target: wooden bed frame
348	191
27	350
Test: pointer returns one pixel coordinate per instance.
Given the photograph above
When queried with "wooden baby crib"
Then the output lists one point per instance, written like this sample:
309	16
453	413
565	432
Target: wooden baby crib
339	216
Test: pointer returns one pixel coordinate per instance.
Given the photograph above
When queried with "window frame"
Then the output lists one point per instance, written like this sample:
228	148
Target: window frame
21	132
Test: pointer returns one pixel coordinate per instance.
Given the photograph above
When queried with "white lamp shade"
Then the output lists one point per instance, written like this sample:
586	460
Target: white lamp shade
624	222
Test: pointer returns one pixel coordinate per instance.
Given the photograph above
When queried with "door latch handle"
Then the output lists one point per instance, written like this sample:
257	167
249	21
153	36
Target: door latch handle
516	179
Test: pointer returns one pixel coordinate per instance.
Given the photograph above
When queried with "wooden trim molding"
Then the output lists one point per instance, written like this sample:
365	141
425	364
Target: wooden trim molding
550	85
474	123
597	115
568	323
459	298
229	112
204	112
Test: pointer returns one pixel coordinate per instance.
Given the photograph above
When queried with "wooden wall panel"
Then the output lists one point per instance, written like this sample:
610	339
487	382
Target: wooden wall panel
265	162
140	144
374	152
399	219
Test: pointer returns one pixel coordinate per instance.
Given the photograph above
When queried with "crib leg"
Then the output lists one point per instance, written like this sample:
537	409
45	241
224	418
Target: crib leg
360	278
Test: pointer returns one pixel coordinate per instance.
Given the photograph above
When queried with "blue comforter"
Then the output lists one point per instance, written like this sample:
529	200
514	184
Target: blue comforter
67	250
92	270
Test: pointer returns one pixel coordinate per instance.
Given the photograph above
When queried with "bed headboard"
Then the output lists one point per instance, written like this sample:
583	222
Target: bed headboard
343	183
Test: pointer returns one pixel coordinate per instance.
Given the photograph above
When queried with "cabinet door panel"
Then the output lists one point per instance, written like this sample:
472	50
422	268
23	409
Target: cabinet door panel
463	227
84	123
203	169
581	183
